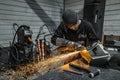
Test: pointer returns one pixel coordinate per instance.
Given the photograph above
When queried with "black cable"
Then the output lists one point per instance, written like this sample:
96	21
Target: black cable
47	27
17	32
13	48
40	29
15	24
1	46
14	28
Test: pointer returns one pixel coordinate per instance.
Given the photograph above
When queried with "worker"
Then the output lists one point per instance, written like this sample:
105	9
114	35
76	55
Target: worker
73	32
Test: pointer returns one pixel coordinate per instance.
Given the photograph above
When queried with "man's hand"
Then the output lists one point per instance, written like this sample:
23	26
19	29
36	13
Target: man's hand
72	44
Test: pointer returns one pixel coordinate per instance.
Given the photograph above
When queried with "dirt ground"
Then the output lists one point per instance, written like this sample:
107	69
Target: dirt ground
110	73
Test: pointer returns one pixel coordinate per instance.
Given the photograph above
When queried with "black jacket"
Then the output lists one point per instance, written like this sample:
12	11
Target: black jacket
84	33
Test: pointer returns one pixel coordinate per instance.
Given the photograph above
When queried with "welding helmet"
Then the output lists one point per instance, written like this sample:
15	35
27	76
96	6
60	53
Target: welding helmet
70	17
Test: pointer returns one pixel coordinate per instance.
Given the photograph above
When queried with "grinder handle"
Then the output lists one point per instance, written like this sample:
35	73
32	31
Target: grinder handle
93	74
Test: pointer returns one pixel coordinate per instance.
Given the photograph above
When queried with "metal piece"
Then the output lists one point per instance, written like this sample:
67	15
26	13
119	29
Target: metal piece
79	67
101	57
89	71
38	43
43	49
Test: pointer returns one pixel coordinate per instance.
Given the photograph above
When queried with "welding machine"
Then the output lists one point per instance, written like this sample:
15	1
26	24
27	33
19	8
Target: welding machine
22	50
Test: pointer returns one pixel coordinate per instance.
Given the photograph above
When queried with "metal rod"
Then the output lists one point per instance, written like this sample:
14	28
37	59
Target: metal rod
99	57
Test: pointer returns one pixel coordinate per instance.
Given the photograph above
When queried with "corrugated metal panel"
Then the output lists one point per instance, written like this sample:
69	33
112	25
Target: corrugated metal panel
33	13
112	18
76	5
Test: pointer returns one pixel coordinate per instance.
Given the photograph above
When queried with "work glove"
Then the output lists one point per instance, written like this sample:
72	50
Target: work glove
74	45
81	42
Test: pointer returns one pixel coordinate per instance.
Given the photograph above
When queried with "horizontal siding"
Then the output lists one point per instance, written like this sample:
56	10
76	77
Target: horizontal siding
113	7
26	18
112	18
76	5
32	13
74	1
112	12
22	3
22	7
112	27
109	2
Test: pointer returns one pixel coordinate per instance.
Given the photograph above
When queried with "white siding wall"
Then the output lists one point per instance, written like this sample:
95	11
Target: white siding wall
76	5
33	13
112	18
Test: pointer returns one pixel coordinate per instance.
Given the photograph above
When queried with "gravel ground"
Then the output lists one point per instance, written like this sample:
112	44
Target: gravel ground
110	73
106	74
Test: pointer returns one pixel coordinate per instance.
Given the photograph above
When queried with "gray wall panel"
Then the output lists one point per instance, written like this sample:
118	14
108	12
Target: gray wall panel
111	22
33	13
109	2
76	5
74	2
112	12
113	7
112	18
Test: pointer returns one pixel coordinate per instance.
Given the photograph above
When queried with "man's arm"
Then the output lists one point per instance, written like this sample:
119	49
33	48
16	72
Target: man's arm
59	40
58	37
92	36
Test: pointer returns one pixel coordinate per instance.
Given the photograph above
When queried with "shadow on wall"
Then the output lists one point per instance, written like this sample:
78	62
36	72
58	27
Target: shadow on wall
44	17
